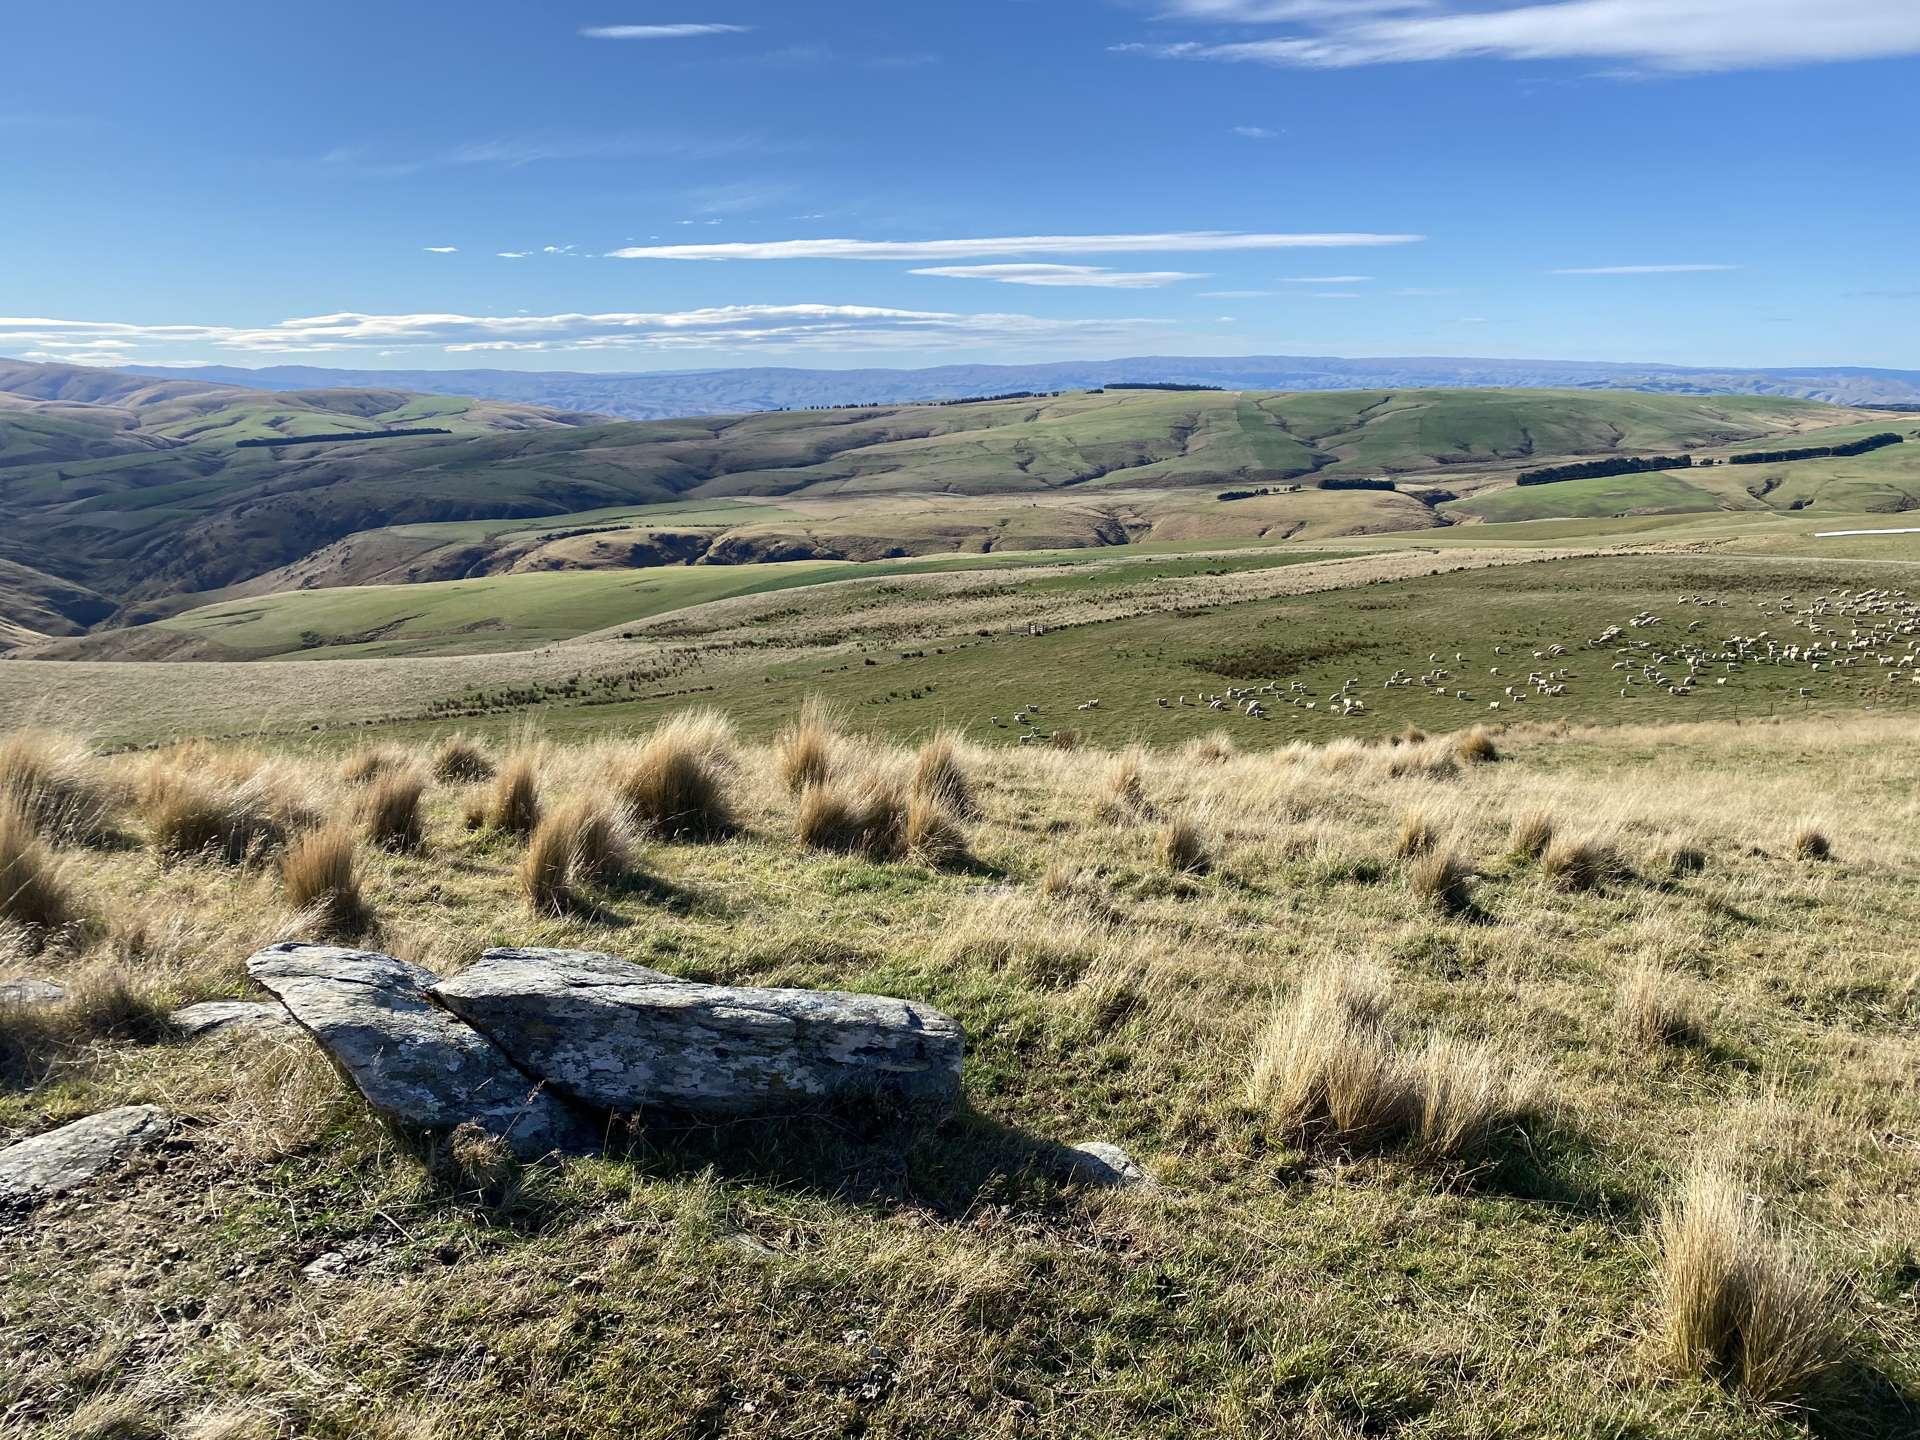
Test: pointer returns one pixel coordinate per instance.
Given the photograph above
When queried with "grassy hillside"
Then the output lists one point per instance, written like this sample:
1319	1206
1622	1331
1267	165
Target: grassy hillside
1430	1201
205	515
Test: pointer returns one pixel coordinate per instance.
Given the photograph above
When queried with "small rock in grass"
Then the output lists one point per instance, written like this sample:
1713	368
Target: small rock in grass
60	1160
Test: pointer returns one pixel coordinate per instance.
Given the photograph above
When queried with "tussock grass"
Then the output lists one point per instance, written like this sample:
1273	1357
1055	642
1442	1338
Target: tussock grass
390	811
1678	859
932	835
512	805
1576	863
1654	1009
1739	1300
1328	1071
1417	836
1184	846
59	786
282	1100
1215	748
461	760
861	814
1531	833
1441	879
232	806
105	1000
373	762
580	842
34	894
940	776
1124	785
674	784
804	750
1810	842
1475	747
321	881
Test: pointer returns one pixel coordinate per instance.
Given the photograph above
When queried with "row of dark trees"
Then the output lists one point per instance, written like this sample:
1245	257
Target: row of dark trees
333	436
1817	452
1594	469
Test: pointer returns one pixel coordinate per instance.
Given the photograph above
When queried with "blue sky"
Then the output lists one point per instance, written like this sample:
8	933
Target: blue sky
646	185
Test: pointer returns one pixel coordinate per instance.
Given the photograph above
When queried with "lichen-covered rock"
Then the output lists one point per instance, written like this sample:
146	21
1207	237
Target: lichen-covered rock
416	1064
52	1164
616	1035
31	992
212	1016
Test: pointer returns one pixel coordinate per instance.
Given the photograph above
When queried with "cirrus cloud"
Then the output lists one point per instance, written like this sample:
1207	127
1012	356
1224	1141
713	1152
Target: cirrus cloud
1097	277
1189	241
660	32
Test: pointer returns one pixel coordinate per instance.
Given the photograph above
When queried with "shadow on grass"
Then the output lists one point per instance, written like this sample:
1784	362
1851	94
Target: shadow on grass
1859	1401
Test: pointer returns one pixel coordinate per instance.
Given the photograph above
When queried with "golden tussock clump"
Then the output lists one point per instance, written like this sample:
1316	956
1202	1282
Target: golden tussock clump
673	785
320	880
1215	748
1531	833
460	760
1440	878
1475	747
1739	1300
939	775
33	893
803	750
1124	786
103	1001
234	806
390	811
853	815
1064	740
1184	847
59	786
512	805
1417	835
1678	859
580	842
1581	862
1328	1070
1810	842
1654	1009
932	835
371	762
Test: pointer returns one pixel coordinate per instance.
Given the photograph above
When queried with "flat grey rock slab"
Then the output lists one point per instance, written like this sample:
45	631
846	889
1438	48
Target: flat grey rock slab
60	1160
620	1037
31	992
419	1066
211	1017
1099	1162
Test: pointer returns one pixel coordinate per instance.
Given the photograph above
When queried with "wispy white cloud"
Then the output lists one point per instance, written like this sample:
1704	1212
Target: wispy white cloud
718	328
379	162
1192	241
1097	277
513	254
660	32
1643	269
442	249
1236	294
1325	279
1255	132
1671	35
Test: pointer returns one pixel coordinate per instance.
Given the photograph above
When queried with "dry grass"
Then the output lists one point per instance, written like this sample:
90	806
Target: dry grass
105	1000
1326	1069
284	1096
460	760
233	806
1441	879
33	893
1531	833
512	805
321	881
804	749
939	776
373	762
932	835
1417	835
1215	748
1468	1095
390	811
1578	863
1475	747
1678	859
1739	1300
674	784
1810	842
1654	1009
863	814
59	785
580	842
1124	786
1184	847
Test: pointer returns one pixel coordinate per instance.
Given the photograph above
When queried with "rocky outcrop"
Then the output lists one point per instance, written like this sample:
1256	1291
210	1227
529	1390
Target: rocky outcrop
1104	1165
60	1160
211	1017
616	1036
415	1064
31	992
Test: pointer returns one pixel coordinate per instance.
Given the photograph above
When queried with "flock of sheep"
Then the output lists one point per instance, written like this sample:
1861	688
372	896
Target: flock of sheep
1882	627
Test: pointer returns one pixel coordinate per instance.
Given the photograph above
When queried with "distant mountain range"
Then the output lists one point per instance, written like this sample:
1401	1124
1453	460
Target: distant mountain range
670	394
